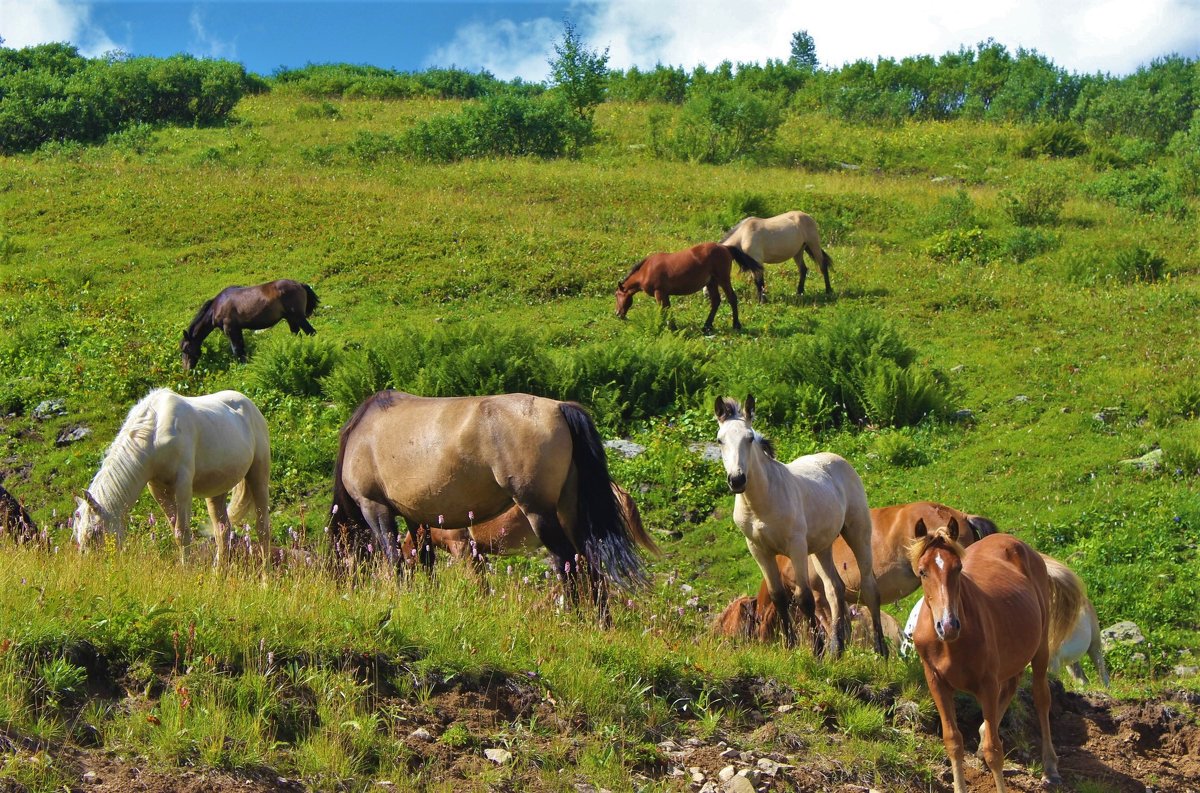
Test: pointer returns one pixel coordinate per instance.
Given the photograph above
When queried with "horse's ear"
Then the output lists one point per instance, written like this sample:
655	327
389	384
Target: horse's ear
723	409
919	530
952	529
748	408
187	336
93	503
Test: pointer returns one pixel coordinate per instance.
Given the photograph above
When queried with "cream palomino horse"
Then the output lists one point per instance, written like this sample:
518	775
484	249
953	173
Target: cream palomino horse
183	447
795	510
777	239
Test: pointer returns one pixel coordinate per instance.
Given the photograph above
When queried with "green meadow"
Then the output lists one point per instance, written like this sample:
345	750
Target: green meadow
1041	327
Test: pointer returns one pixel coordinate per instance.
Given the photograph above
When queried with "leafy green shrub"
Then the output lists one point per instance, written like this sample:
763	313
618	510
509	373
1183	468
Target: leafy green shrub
320	154
955	211
374	146
1025	243
1146	189
720	126
323	110
1123	264
962	245
1181	401
457	736
1059	139
61	679
802	405
500	126
1137	264
1181	448
900	450
1034	202
635	379
293	364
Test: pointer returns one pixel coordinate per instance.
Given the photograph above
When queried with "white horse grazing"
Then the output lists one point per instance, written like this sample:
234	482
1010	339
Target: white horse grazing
795	510
183	447
1084	638
777	239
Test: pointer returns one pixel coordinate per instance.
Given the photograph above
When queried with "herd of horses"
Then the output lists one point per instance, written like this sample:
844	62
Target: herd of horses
515	472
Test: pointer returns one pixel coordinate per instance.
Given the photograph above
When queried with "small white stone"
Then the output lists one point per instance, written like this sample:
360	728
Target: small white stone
727	773
498	756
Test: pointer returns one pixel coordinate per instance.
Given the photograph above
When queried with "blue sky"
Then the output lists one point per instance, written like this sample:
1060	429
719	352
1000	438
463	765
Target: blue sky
513	39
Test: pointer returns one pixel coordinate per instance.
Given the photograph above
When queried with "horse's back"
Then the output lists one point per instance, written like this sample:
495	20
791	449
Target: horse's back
1013	579
826	474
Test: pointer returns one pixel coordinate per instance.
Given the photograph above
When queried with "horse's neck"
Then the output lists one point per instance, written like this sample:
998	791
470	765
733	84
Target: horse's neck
202	327
764	478
120	481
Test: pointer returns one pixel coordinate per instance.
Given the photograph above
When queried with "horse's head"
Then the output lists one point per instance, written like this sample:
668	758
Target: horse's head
736	438
189	347
90	521
624	299
936	558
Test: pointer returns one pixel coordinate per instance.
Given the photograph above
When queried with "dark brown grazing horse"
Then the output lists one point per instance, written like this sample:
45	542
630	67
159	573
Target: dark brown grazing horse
510	532
15	521
892	530
238	308
706	266
990	611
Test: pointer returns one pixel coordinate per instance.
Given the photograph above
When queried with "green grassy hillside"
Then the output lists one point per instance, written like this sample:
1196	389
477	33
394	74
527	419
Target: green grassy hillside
1067	355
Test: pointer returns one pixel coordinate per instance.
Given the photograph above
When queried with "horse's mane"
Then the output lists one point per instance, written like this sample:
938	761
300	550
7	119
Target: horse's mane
633	270
200	317
941	537
119	470
767	444
733	230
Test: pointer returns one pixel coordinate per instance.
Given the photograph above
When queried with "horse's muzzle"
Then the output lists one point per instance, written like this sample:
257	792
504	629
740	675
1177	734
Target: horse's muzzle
737	482
947	629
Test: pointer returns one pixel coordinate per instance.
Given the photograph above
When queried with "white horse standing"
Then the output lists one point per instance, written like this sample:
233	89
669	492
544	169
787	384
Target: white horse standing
796	510
183	447
777	239
1084	638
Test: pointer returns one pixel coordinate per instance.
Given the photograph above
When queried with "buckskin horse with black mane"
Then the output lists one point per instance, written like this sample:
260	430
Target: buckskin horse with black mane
440	460
238	308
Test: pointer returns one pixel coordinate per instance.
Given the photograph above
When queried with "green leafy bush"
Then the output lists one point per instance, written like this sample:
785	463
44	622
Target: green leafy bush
1034	202
1147	189
720	126
500	126
326	110
1137	264
962	245
900	450
1025	243
374	146
293	364
1059	139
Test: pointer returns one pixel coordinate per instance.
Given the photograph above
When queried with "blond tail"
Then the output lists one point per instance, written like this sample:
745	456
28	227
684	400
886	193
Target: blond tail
1067	596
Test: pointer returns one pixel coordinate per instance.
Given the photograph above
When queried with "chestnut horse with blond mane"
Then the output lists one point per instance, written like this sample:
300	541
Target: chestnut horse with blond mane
990	611
777	239
706	266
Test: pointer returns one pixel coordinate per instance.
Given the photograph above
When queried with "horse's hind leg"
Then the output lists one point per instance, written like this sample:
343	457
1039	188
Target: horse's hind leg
781	598
567	561
727	287
714	302
258	483
1041	702
857	534
382	520
803	268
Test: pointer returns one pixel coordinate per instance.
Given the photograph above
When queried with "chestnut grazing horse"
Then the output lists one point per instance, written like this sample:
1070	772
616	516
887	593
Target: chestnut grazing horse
424	458
706	266
990	611
15	521
795	510
892	530
238	308
740	620
510	533
783	237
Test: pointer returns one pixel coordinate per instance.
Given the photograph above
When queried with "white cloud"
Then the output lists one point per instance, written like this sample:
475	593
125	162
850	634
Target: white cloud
507	49
1080	35
206	45
24	23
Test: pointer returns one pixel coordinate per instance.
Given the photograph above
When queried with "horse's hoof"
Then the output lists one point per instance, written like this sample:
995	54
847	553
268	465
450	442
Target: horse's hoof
1052	780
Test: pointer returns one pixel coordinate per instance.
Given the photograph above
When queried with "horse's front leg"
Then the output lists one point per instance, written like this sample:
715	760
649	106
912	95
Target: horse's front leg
218	514
990	745
781	598
835	596
165	496
943	697
236	341
1041	702
183	512
664	309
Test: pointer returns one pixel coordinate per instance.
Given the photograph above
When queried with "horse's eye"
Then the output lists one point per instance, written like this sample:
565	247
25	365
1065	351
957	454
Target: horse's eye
921	573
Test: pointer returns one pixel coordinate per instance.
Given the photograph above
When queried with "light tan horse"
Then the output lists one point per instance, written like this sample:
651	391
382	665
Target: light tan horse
892	530
183	447
432	461
510	533
795	510
990	611
777	239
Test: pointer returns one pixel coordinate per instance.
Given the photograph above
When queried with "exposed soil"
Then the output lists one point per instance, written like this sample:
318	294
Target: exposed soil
1114	746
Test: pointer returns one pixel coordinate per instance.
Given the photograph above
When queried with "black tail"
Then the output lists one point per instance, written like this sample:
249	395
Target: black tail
747	262
601	529
981	526
312	300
